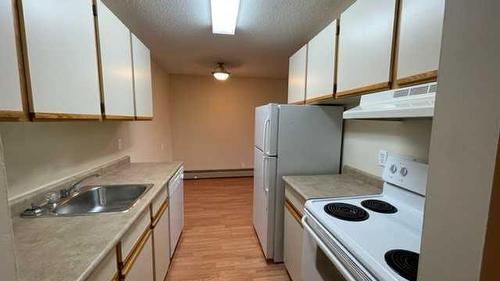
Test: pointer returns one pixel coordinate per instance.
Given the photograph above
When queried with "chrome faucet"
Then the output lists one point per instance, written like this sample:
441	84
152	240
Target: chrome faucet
75	186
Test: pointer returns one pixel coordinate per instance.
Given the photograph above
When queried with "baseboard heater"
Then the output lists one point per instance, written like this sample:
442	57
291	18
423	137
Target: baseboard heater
213	174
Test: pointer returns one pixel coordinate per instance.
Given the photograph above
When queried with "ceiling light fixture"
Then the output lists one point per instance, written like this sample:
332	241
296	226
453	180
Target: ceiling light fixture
220	72
224	16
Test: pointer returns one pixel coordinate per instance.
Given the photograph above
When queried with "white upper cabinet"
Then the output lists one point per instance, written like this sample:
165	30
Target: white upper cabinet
297	76
421	24
321	64
142	80
11	103
61	59
116	65
365	47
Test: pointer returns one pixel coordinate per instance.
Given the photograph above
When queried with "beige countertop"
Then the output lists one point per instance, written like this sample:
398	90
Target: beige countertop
69	248
351	182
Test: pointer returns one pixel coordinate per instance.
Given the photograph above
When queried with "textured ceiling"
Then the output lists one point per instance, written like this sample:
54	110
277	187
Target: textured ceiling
178	32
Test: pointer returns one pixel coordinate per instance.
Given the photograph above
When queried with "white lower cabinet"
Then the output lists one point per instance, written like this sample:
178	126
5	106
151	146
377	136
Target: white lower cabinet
161	238
142	267
293	237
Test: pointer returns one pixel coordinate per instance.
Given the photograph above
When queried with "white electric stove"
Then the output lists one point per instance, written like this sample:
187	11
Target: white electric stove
369	237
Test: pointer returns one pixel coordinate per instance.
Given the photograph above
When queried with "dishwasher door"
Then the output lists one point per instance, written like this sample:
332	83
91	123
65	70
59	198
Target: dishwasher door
176	209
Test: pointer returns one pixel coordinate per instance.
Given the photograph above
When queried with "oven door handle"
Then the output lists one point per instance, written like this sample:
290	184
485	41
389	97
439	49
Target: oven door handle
340	267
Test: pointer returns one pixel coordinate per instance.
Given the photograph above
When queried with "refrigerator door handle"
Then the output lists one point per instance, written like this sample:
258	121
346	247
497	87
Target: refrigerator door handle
264	140
264	175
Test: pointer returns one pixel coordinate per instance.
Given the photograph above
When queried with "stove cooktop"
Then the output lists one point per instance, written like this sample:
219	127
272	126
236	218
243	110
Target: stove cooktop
405	263
379	206
346	212
370	228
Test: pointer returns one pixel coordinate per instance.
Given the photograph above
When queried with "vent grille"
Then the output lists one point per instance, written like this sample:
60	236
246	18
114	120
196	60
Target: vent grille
401	93
419	90
433	88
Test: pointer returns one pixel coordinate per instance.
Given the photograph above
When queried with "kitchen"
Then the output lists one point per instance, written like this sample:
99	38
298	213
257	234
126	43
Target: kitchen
138	106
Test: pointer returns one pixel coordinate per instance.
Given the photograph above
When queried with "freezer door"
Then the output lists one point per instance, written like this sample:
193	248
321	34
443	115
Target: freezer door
266	128
263	200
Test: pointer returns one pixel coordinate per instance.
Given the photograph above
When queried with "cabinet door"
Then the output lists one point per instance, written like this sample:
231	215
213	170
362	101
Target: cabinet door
142	80
11	103
161	236
321	64
421	24
116	65
297	76
365	47
142	267
293	236
61	59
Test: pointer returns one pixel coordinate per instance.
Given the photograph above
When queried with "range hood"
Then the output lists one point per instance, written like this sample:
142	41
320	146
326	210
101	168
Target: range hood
411	102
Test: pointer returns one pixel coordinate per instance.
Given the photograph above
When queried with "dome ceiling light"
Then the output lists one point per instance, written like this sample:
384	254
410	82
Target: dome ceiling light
220	72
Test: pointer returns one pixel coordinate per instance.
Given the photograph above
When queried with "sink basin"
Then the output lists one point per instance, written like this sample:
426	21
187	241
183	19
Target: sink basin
101	199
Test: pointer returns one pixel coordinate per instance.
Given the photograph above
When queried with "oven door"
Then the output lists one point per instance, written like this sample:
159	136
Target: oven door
316	260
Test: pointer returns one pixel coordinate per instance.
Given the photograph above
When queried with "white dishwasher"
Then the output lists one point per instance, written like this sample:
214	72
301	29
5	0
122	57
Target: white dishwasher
176	208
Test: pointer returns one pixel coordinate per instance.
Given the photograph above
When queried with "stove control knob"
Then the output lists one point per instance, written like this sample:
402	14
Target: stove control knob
393	169
404	172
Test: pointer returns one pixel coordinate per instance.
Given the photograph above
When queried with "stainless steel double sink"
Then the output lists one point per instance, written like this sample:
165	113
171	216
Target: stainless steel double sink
96	199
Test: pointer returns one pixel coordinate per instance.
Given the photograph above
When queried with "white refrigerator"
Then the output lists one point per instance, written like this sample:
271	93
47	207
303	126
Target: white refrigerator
289	140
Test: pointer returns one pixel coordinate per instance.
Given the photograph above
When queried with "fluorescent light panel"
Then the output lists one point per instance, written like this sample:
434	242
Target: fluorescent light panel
224	16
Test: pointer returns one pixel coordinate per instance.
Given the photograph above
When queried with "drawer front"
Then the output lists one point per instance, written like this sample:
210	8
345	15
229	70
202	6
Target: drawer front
135	232
107	270
295	200
159	199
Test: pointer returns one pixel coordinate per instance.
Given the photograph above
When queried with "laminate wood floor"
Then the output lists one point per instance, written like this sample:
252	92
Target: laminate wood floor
219	242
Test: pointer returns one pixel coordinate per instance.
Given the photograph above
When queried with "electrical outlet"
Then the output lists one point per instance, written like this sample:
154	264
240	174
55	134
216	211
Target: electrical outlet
162	147
382	157
120	144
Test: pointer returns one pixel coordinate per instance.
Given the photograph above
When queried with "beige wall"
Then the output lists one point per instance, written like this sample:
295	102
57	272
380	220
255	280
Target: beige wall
464	143
151	141
363	139
39	153
213	120
7	258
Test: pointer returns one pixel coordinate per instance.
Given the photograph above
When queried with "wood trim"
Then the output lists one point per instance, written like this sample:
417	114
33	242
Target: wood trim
395	45
491	252
294	212
156	218
134	254
20	61
118	117
143	118
119	258
42	116
336	59
320	98
11	115
365	90
429	76
297	103
116	277
99	62
25	61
